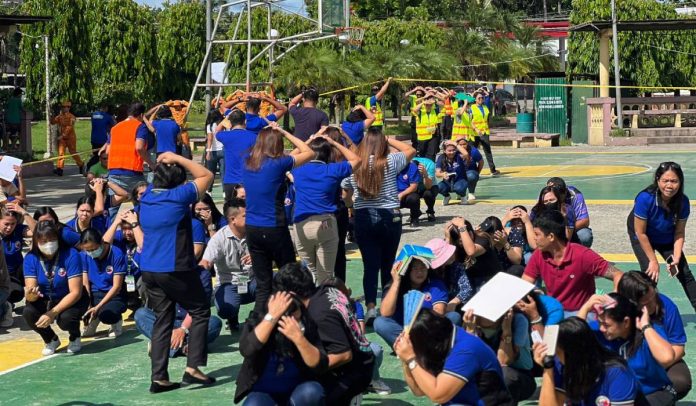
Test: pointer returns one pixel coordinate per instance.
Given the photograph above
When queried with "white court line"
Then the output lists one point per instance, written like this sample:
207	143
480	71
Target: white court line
36	361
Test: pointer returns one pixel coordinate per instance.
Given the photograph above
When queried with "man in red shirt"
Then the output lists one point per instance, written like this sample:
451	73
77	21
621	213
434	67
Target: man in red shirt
567	269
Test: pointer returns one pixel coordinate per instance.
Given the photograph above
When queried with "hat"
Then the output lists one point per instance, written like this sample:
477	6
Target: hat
442	250
66	103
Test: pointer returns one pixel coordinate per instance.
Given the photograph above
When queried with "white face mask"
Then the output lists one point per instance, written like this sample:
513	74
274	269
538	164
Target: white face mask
49	248
96	253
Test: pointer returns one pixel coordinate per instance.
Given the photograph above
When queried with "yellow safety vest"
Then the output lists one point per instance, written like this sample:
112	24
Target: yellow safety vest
379	117
462	127
426	124
480	121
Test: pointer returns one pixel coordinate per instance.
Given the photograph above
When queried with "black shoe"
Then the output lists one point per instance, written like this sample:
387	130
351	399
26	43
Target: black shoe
350	237
81	168
414	222
157	388
189	379
431	217
58	171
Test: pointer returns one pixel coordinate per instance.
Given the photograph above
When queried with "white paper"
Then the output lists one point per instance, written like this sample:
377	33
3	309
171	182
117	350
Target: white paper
498	295
7	164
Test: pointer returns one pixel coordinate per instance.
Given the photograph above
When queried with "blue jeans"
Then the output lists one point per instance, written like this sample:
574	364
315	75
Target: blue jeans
379	356
455	318
585	236
216	163
388	328
377	232
111	312
309	393
460	186
127	183
228	301
145	320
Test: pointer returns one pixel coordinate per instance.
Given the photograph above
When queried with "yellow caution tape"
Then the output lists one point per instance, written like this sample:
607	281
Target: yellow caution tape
55	158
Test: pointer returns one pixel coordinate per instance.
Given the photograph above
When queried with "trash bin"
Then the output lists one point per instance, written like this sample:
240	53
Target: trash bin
525	123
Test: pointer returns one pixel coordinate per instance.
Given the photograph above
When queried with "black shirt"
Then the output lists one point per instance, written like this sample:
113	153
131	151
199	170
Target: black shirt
487	264
308	120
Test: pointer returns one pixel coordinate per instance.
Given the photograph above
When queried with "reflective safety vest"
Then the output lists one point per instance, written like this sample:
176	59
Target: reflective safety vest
426	124
462	127
450	108
122	153
379	117
480	121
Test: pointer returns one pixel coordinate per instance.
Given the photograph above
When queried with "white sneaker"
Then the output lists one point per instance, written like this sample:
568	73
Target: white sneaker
379	387
370	316
446	200
50	348
91	328
471	197
116	329
75	346
463	201
7	320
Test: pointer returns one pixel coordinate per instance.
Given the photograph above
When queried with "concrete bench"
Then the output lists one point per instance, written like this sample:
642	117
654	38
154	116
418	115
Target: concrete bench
515	140
546	140
677	113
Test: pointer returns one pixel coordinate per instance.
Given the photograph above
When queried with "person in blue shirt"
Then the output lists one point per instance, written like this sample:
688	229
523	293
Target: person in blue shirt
407	185
207	220
357	121
509	338
626	330
12	234
67	234
168	266
53	288
167	131
102	121
541	310
126	234
419	277
458	168
448	365
427	187
104	271
256	123
263	176
658	223
583	372
317	184
237	143
639	288
87	215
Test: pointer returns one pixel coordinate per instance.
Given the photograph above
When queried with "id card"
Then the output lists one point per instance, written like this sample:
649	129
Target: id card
130	283
242	284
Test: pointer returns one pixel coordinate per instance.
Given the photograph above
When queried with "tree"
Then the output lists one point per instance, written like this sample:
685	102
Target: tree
69	46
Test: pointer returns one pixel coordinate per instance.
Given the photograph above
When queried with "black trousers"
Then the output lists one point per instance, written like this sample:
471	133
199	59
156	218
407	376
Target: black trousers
68	320
267	245
228	189
685	277
520	383
412	202
342	221
428	148
344	383
485	140
164	291
95	156
429	196
680	376
414	136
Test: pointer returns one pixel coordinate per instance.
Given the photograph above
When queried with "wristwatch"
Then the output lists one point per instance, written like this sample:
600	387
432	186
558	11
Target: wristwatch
412	364
269	318
185	329
135	224
462	229
646	327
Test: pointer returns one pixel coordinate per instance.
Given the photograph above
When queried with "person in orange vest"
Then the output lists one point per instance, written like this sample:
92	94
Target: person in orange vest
479	120
127	150
67	138
373	103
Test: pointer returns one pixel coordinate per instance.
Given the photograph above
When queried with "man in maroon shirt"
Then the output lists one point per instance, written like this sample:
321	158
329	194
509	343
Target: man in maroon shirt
567	269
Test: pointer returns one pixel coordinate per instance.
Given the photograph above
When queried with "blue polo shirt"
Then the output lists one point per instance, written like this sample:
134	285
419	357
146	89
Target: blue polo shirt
12	245
100	272
316	185
66	265
167	132
617	385
407	177
70	236
141	133
475	159
468	359
661	225
236	145
457	166
671	322
355	131
101	125
256	123
165	217
651	375
265	192
435	292
131	252
200	232
99	223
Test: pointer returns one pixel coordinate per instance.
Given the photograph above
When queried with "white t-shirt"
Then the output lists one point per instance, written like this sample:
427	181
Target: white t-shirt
215	145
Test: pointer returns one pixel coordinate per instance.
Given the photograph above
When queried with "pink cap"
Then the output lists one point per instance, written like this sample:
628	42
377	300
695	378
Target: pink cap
442	250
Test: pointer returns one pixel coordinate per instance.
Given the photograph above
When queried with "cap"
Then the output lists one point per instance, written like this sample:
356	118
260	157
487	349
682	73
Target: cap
442	250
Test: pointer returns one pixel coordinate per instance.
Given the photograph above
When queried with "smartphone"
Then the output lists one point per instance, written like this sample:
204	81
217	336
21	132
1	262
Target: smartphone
536	337
673	271
87	318
551	339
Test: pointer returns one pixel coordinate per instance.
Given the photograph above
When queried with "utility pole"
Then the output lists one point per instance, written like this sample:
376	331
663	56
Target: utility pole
617	73
208	39
47	85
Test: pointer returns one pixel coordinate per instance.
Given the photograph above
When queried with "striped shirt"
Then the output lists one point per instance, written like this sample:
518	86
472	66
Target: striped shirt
388	197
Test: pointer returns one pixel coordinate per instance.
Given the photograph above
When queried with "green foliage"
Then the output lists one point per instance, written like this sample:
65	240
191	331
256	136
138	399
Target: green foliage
389	32
646	57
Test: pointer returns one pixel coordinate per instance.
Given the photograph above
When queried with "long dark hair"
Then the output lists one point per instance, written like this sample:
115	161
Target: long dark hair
373	152
431	337
280	344
585	358
42	211
623	309
208	200
269	144
168	176
634	285
674	205
405	284
540	207
323	151
47	229
214	117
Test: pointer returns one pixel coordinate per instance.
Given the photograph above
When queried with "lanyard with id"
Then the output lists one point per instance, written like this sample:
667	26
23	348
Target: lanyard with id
130	279
50	275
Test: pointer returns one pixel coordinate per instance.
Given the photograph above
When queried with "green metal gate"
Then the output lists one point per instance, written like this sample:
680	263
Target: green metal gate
550	103
578	114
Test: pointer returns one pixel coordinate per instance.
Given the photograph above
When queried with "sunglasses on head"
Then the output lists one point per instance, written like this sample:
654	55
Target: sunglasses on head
669	165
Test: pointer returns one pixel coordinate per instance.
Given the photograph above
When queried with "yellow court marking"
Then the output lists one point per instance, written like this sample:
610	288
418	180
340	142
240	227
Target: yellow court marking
546	171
